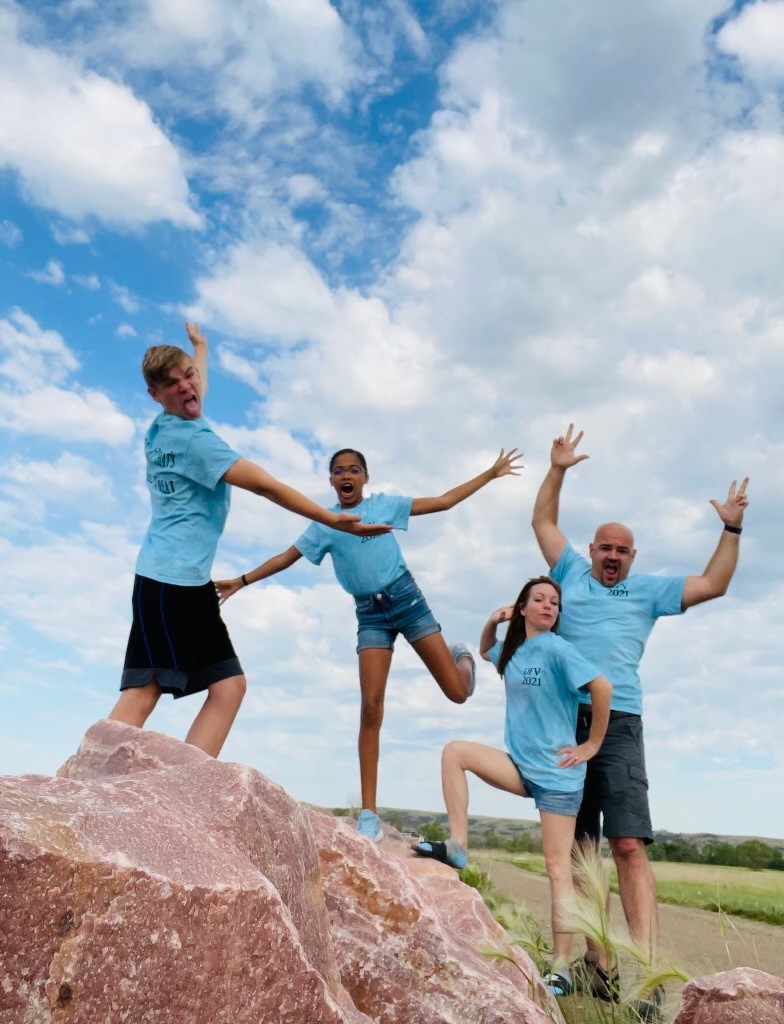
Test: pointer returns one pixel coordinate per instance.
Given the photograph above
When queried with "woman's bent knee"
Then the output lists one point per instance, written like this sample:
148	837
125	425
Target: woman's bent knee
453	752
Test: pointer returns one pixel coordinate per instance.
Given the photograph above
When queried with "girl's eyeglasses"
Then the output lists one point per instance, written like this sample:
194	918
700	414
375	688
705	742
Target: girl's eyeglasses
339	471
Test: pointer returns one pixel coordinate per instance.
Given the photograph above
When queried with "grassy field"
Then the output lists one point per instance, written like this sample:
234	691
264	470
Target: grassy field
758	895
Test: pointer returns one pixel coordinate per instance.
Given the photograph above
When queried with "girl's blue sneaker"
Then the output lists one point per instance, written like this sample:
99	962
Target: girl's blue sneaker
369	825
459	650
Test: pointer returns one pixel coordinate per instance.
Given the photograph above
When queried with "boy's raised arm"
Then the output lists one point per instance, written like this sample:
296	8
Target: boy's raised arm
505	465
250	477
200	352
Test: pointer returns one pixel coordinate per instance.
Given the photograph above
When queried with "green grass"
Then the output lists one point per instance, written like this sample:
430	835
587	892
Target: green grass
757	895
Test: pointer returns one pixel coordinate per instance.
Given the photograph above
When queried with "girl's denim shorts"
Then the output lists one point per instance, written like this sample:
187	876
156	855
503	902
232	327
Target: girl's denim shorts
400	608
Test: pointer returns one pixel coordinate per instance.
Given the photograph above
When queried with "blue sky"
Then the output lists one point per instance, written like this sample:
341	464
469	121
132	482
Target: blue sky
429	231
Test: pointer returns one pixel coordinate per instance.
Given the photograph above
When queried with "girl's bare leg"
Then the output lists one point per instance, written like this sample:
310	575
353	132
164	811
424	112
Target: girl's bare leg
454	679
557	840
374	664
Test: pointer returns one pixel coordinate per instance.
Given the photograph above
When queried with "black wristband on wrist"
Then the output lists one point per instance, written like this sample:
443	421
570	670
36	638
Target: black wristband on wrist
244	581
733	529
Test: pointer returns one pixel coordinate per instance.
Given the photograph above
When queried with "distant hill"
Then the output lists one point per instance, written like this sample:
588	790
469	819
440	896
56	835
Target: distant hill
407	820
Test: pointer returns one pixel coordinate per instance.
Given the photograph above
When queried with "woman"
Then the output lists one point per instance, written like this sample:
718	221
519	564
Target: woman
543	675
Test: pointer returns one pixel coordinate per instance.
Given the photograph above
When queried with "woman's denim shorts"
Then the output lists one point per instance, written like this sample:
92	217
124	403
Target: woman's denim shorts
401	608
550	799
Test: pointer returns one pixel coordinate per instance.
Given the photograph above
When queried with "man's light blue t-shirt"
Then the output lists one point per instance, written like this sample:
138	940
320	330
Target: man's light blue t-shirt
363	565
611	625
185	463
542	679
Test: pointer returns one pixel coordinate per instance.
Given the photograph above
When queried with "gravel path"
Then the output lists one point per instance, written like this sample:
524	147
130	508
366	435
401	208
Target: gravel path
693	939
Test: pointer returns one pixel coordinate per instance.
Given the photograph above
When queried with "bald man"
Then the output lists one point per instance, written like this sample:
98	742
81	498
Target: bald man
608	615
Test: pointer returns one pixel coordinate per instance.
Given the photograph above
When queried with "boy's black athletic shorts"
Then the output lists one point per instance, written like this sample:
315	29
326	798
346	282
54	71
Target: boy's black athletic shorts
177	638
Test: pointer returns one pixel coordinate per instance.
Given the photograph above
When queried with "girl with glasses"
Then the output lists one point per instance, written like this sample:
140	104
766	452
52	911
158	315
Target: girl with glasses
387	598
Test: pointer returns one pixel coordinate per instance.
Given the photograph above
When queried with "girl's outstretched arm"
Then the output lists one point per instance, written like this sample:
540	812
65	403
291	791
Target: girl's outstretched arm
506	464
488	637
275	564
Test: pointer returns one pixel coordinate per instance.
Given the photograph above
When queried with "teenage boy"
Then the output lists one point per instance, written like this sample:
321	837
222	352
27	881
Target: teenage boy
178	642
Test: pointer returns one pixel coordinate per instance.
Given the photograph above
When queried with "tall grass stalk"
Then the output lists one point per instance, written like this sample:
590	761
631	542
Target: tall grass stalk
588	916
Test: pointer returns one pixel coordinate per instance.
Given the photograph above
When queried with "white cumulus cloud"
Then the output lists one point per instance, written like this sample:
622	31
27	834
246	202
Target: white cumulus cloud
756	36
113	161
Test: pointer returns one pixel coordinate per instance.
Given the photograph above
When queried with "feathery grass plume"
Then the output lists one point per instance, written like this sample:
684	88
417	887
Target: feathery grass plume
639	975
725	924
536	992
589	911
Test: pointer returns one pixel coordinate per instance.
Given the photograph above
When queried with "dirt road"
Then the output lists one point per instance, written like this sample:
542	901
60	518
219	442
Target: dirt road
698	941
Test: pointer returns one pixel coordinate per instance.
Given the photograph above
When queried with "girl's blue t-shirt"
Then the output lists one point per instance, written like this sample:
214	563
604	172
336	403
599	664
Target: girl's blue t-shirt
185	462
363	565
543	680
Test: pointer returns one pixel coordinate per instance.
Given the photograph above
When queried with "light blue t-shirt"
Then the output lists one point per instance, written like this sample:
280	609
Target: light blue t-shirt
542	680
611	625
185	463
363	565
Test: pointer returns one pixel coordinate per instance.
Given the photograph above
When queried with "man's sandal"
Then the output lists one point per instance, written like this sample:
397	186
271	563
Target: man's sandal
594	979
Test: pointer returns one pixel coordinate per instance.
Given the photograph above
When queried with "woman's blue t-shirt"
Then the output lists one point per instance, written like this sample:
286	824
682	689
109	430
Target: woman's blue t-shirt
543	680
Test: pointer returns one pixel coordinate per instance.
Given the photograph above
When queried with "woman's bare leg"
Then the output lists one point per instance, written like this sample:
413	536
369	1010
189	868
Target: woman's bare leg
491	765
557	840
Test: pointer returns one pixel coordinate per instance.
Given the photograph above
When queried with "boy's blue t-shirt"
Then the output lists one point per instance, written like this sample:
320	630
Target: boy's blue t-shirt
185	463
542	680
611	625
363	565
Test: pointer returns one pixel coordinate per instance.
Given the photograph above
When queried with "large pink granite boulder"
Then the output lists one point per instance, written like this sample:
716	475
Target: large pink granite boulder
186	892
740	996
151	884
413	943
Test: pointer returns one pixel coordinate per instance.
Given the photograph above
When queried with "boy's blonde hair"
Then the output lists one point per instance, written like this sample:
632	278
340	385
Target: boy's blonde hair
159	359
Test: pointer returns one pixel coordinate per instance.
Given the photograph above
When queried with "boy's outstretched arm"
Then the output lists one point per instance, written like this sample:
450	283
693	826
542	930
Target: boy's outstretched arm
719	571
277	563
506	464
545	515
200	352
250	477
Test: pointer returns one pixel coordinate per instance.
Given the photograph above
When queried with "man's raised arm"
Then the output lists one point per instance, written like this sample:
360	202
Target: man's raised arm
719	571
545	515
